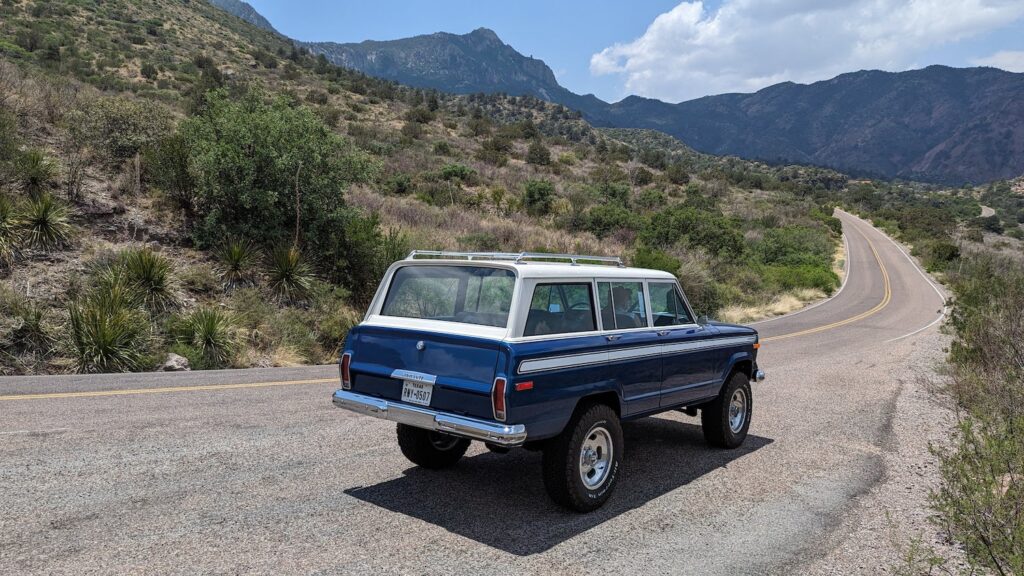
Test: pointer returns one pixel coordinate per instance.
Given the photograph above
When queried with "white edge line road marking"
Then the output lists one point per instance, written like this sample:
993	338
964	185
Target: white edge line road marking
924	275
846	278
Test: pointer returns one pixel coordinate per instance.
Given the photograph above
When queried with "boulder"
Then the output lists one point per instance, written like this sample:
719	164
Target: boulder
175	363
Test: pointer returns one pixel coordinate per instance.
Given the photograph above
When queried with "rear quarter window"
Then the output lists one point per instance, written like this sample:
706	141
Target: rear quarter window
560	308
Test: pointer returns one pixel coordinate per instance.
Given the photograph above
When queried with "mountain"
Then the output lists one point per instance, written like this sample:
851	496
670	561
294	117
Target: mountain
244	11
460	64
939	124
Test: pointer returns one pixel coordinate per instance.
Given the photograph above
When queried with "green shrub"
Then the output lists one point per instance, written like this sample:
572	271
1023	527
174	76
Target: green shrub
165	164
46	224
107	336
36	171
796	245
538	196
716	234
121	127
538	154
605	219
443	148
289	277
419	115
790	277
458	172
211	333
10	232
153	277
149	71
237	263
646	257
254	162
24	328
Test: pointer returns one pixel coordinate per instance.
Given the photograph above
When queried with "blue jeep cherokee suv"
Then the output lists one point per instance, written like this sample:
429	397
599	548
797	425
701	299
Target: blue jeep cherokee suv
544	351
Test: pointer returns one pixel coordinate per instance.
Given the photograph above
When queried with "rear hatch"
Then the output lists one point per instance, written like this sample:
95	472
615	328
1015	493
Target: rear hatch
462	368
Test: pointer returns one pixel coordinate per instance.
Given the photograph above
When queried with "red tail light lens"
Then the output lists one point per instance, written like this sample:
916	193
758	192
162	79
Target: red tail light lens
498	399
346	376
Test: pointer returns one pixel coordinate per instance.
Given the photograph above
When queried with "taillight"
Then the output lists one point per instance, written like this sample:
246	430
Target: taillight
346	376
498	399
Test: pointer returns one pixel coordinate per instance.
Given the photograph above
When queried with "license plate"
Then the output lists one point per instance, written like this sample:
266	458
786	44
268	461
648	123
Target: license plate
417	392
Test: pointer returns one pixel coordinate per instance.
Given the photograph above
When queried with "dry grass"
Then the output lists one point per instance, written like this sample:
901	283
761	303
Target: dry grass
782	304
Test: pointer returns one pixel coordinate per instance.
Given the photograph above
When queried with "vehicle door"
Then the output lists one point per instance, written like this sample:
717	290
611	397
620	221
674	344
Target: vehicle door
633	347
688	362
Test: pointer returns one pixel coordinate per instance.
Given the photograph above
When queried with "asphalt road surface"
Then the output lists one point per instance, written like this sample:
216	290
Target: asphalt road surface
255	471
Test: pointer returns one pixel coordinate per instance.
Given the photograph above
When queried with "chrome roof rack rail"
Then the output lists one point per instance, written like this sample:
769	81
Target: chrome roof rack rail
517	257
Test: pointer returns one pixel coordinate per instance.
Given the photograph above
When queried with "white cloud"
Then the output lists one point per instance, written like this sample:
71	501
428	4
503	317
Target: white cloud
1009	60
745	45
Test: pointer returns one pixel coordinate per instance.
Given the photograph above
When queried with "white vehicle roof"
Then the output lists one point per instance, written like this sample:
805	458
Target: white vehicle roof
530	265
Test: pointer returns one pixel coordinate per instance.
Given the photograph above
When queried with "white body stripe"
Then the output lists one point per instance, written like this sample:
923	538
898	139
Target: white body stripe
619	354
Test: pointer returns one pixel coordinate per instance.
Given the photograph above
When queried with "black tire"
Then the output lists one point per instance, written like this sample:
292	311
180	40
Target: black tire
596	426
430	449
720	429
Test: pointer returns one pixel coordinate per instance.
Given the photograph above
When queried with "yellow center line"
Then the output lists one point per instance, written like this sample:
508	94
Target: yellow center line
163	390
885	302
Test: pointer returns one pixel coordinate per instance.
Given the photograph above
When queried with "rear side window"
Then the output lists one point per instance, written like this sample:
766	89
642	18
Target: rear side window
666	305
467	294
560	309
622	305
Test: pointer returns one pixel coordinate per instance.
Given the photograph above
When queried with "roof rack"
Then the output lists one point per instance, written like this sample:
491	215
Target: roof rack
517	257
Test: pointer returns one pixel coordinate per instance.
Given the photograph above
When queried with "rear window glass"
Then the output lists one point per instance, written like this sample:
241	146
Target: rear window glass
560	309
467	294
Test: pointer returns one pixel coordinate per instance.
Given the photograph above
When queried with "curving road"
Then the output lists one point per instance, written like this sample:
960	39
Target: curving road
255	472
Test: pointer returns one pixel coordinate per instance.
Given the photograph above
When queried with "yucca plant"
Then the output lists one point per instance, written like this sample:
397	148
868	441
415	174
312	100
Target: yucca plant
35	171
10	233
25	328
237	263
212	334
45	223
153	277
113	288
288	275
107	336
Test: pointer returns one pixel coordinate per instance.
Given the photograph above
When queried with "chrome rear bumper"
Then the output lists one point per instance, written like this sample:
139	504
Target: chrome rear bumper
421	417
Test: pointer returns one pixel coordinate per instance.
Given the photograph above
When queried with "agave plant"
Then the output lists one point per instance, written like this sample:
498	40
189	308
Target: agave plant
152	276
36	171
237	263
106	336
289	277
10	233
212	333
46	224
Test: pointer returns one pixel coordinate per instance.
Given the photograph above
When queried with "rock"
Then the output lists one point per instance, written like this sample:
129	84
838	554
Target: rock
175	363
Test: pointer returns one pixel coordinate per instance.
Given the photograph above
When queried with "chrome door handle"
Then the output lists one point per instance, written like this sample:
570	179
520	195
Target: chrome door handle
664	332
613	337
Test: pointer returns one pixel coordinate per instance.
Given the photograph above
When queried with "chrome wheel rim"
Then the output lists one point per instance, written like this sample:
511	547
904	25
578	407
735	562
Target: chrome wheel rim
596	457
737	410
443	442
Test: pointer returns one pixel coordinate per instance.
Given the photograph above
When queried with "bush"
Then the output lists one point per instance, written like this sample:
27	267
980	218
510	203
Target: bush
237	263
10	233
23	328
802	276
288	275
420	115
107	335
209	333
121	127
251	159
443	148
538	154
35	172
646	257
715	233
149	71
458	172
605	219
538	197
46	224
796	245
166	165
152	276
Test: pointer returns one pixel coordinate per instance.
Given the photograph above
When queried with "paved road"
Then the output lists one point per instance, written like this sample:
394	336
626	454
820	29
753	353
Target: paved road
255	472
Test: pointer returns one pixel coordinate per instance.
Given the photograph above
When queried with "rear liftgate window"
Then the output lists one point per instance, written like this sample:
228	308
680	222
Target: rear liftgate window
467	294
560	309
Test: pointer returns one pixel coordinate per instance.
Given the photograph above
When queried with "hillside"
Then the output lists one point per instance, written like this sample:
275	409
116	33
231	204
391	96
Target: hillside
245	11
174	179
939	124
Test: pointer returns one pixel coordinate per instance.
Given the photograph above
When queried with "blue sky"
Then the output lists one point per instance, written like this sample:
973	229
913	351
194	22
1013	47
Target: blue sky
680	50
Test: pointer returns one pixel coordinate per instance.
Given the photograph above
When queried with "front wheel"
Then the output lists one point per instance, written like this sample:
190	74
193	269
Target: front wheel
430	449
726	419
581	465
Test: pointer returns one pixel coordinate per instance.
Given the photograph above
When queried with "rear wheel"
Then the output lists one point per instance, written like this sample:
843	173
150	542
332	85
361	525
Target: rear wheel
581	466
430	449
726	419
